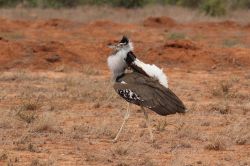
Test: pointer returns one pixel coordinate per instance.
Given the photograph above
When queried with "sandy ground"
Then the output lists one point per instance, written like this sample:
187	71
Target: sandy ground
58	107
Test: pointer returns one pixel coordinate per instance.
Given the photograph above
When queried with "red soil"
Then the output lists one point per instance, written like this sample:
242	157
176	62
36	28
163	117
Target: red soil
197	57
28	44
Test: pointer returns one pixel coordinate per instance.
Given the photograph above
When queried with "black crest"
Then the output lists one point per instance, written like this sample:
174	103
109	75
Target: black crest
124	40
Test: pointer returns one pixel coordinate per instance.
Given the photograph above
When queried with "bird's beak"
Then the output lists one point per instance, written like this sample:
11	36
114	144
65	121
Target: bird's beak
115	46
112	46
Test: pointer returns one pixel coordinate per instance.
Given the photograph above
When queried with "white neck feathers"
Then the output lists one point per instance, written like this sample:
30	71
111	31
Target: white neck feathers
116	62
153	71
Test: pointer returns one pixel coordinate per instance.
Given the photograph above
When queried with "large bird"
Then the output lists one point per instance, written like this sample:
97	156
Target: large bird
146	86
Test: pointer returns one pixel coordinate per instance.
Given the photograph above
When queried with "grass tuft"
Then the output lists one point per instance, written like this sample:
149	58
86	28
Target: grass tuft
46	122
176	36
217	144
161	125
121	150
3	155
26	111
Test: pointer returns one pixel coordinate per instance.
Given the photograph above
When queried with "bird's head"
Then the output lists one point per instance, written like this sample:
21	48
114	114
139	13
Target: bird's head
124	45
117	61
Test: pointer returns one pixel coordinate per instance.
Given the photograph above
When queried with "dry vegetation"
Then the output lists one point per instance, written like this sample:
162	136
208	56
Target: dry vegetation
63	111
41	123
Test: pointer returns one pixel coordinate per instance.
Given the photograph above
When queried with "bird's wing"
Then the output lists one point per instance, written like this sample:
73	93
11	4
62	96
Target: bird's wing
145	91
149	70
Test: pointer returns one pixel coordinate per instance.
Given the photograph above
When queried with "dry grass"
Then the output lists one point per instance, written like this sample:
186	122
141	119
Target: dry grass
231	42
223	88
121	150
147	162
65	101
76	117
3	155
176	36
161	125
26	111
90	70
105	129
25	144
6	120
81	131
13	76
39	162
12	36
122	164
191	132
45	123
91	13
221	107
239	131
96	130
216	143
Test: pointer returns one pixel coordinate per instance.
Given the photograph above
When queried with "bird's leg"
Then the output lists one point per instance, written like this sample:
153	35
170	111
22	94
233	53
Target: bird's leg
124	121
148	124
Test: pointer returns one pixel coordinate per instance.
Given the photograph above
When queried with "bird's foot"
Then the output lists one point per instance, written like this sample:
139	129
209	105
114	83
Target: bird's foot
114	141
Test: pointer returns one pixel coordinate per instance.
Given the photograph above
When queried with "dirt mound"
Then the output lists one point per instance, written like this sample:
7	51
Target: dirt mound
192	55
52	43
8	25
162	22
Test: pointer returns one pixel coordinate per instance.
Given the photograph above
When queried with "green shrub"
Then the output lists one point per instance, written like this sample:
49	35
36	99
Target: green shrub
9	3
94	2
214	7
129	3
190	3
169	2
210	7
239	4
73	3
58	3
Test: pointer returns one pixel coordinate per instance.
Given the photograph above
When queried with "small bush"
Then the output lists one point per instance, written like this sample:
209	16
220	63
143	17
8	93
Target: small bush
129	3
230	42
189	3
176	36
121	150
161	125
234	4
216	144
46	122
210	7
223	89
214	7
51	3
26	111
3	155
9	3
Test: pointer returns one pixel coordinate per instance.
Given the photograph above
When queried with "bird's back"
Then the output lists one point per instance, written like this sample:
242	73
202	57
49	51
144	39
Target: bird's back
145	91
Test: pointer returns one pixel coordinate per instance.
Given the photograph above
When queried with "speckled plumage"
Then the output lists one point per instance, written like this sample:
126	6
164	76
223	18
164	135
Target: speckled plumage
150	94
